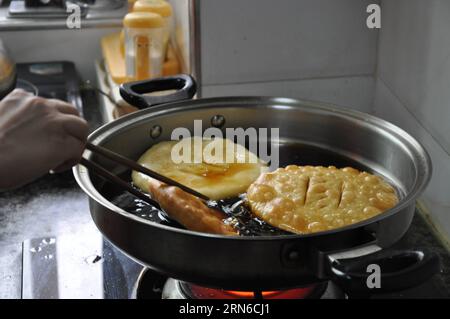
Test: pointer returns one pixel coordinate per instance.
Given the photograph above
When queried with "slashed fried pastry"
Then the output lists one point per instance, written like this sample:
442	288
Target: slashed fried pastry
188	210
211	173
307	199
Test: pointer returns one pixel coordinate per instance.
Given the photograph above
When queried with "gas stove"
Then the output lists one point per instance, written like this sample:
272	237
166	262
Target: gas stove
61	267
57	9
86	266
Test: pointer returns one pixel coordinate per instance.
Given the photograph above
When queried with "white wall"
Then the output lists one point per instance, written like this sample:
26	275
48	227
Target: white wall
348	91
413	86
314	49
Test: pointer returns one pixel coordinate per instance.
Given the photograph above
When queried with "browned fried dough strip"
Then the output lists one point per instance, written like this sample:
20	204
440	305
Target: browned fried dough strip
188	210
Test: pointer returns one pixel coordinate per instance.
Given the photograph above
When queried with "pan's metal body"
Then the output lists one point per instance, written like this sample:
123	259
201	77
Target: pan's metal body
259	262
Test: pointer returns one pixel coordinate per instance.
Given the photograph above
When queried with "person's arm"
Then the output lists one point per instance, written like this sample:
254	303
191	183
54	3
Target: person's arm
37	135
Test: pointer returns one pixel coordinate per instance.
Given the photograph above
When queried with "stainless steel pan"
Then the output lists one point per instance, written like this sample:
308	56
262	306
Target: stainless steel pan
327	134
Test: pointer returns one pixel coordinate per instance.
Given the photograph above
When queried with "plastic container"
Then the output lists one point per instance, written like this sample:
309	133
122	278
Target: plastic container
144	51
161	7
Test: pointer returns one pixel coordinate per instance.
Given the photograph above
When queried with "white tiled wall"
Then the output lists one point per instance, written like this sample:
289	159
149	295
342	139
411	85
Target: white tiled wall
349	91
313	49
413	86
266	40
414	60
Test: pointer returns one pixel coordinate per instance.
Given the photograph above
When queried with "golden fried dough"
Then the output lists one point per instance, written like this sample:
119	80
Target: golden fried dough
210	177
188	210
307	199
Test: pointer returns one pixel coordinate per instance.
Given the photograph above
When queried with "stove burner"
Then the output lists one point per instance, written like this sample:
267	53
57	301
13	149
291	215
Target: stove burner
192	291
151	285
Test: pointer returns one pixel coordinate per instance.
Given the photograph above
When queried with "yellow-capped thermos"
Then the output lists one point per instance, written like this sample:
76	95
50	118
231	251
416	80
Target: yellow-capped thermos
144	45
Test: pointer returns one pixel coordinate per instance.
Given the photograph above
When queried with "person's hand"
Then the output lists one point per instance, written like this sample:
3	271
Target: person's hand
37	135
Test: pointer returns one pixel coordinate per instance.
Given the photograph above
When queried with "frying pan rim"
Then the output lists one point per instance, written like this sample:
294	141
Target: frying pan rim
82	177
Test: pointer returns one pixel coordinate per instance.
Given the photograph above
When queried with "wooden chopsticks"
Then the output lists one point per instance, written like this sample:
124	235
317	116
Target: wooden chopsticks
97	169
117	158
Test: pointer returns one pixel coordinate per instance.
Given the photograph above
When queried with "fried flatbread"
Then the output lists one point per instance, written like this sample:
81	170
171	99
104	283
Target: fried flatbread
215	178
307	199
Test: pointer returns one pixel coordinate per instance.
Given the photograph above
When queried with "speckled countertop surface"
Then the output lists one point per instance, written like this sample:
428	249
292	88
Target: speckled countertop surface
54	206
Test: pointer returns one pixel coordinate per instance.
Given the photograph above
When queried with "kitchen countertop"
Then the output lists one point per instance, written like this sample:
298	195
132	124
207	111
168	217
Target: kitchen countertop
55	206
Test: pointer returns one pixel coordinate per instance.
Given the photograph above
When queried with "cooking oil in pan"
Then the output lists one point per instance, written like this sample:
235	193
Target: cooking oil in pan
240	215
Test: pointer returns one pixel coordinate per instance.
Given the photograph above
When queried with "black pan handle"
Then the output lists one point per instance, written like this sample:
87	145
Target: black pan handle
398	270
135	92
